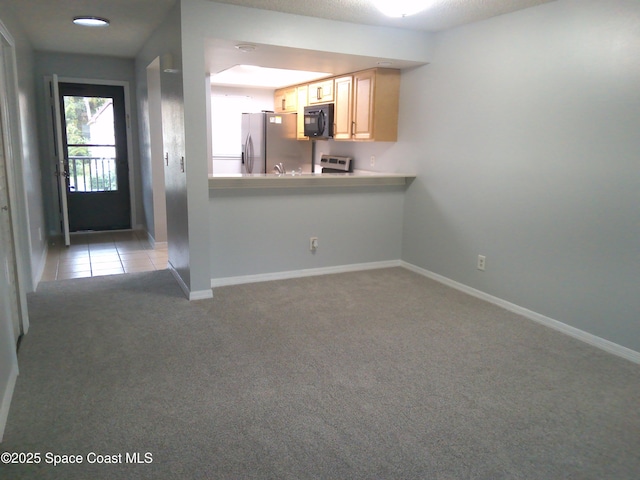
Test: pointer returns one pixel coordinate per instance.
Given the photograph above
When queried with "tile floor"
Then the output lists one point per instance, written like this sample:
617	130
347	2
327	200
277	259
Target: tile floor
103	253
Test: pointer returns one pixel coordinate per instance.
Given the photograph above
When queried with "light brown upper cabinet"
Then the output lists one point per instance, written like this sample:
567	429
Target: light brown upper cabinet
285	100
374	106
366	104
302	102
343	111
321	92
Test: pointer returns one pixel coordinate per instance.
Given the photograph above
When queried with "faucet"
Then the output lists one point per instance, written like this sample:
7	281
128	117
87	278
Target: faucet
279	168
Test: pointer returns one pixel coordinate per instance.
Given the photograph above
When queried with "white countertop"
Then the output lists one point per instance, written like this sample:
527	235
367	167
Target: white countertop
272	180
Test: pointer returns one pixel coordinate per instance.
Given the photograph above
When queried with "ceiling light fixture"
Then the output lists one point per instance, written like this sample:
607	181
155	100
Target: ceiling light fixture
401	8
90	21
246	47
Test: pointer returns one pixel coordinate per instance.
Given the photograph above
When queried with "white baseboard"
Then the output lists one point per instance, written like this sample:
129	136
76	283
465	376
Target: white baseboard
310	272
152	241
191	295
6	399
37	275
576	333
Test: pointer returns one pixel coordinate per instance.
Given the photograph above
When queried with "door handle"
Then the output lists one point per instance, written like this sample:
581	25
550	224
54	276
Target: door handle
5	208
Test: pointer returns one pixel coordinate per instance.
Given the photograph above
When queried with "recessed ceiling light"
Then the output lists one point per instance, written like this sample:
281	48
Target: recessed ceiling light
246	47
90	21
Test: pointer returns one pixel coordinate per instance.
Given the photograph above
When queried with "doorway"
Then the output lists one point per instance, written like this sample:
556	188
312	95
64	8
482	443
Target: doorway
94	144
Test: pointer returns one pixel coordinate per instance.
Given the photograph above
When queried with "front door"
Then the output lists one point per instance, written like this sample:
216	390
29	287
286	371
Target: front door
94	137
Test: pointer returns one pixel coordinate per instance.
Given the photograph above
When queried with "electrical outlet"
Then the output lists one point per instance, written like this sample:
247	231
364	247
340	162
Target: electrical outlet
372	160
482	260
313	243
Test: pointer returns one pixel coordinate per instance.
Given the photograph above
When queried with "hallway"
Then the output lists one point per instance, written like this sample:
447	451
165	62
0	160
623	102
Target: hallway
94	254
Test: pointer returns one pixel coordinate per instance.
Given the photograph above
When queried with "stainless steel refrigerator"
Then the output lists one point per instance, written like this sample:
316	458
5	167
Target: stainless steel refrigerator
269	139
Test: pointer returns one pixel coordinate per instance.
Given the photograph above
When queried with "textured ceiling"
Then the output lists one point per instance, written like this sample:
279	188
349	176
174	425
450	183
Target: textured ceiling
443	14
48	22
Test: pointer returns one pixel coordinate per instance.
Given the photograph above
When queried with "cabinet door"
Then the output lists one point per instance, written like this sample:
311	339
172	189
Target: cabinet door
343	112
363	106
321	92
302	102
285	100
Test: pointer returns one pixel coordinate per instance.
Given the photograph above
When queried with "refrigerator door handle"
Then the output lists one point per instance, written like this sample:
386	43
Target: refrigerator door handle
246	154
249	163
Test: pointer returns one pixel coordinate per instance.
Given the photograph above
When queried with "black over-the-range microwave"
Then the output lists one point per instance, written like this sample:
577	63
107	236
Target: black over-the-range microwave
318	121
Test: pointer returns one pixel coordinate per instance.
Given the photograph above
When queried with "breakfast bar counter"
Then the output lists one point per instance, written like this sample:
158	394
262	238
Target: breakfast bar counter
357	178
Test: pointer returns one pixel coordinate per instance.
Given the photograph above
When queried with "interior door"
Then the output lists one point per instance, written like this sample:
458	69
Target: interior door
8	265
94	138
61	168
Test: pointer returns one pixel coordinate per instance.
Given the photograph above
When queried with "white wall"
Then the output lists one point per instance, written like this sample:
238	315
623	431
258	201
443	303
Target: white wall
201	20
31	220
260	231
165	43
151	140
524	133
27	208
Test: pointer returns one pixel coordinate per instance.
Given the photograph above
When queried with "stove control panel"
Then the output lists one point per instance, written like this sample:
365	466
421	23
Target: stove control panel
341	164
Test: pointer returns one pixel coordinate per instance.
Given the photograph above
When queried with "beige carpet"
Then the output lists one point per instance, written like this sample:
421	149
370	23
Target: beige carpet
372	375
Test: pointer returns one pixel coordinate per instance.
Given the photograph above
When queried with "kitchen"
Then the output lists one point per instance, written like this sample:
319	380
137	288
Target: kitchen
359	106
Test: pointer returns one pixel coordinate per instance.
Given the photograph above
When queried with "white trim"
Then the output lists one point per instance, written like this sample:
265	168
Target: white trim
191	295
310	272
154	244
200	295
576	333
7	395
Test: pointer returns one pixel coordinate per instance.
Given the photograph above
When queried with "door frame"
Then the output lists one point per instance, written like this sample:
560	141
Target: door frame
12	139
130	163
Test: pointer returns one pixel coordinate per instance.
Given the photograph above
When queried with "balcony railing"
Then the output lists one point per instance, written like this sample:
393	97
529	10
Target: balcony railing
92	174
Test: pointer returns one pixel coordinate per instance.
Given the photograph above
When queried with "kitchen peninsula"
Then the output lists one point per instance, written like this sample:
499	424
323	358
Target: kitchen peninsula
261	225
357	178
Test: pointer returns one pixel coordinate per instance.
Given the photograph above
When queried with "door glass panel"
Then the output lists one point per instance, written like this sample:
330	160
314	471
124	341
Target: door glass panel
91	144
95	172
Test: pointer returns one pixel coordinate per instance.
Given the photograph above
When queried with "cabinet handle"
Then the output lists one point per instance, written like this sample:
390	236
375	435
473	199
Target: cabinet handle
284	102
319	93
353	128
166	158
182	164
